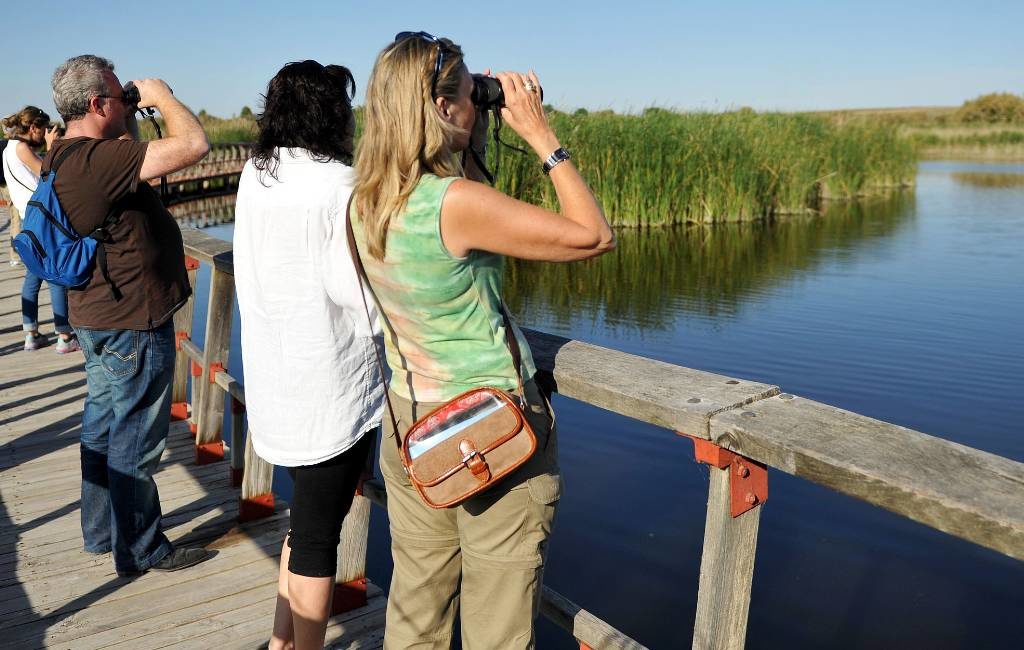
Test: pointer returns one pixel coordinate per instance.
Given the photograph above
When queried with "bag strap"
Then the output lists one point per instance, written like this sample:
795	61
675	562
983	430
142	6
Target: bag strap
361	275
10	173
364	281
56	161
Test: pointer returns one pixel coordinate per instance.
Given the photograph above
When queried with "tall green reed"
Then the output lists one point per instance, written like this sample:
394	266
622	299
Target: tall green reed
663	167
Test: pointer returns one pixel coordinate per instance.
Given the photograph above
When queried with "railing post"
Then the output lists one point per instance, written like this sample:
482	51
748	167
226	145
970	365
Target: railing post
738	487
237	442
209	443
257	499
350	581
183	330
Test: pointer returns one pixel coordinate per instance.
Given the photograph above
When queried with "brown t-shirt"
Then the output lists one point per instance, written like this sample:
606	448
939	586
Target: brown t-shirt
145	257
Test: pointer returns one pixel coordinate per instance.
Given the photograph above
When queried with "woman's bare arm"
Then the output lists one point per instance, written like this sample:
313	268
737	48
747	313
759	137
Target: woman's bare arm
477	217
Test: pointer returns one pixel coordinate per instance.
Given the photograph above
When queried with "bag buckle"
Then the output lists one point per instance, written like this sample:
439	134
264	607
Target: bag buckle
472	459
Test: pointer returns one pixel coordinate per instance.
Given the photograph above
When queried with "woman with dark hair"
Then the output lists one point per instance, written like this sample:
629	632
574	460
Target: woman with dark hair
30	129
313	395
433	242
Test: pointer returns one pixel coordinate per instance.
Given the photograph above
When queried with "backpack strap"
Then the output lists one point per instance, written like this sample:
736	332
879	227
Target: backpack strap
102	235
56	161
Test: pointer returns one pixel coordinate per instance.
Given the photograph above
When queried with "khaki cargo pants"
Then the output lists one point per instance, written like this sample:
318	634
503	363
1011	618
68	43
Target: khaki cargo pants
483	559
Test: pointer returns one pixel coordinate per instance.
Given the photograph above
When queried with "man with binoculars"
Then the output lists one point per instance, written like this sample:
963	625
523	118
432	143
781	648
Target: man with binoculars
123	314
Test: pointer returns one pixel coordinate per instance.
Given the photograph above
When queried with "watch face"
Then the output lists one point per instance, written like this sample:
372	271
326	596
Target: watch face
557	156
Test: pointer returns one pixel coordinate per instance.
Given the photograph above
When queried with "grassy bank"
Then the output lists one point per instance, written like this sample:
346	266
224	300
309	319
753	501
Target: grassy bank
989	127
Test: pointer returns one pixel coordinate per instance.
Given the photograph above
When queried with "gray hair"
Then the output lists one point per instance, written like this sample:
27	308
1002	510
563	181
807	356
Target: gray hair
76	81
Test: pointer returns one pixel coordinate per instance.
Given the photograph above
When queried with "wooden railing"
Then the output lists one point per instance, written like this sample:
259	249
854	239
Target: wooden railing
739	427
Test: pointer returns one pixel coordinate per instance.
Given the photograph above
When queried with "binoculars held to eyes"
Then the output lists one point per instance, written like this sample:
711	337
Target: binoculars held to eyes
131	96
487	93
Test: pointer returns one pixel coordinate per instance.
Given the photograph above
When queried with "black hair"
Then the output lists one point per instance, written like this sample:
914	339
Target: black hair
307	105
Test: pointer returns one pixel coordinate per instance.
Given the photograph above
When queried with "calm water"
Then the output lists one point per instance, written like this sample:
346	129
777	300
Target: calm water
909	310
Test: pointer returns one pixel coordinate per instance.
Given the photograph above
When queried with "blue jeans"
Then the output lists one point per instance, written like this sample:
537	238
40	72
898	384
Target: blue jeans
124	432
30	304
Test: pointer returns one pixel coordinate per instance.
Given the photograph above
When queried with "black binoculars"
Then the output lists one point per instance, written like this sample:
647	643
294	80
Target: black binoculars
131	96
488	94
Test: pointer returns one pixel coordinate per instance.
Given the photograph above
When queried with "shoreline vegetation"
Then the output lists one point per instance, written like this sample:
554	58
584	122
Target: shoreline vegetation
663	167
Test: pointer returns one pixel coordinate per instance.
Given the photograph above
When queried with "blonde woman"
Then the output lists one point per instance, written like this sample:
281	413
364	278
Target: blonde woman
433	242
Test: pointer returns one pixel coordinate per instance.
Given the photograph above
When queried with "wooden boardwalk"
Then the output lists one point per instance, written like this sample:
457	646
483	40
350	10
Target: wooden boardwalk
53	594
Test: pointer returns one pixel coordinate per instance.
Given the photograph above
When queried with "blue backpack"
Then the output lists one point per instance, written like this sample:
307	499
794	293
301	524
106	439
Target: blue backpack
48	244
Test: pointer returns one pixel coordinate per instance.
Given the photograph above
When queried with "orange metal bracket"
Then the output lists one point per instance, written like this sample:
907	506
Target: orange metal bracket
179	411
257	507
209	452
748	479
191	263
215	367
197	370
178	338
349	595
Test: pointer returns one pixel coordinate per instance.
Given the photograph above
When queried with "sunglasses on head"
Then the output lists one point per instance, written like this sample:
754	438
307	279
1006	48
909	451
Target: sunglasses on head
438	62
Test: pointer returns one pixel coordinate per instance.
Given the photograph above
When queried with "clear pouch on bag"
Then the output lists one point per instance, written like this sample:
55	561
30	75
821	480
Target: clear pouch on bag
451	420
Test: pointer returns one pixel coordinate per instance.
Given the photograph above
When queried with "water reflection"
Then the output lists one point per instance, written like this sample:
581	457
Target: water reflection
206	211
707	270
989	180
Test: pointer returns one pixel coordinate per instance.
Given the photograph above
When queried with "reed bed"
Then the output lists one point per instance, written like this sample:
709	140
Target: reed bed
662	168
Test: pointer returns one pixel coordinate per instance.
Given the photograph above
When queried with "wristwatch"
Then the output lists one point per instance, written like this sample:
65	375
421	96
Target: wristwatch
557	156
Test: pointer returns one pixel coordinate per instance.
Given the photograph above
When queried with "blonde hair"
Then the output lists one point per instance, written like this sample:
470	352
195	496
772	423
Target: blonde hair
19	123
404	137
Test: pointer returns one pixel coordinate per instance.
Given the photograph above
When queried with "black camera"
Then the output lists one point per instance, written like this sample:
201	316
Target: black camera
487	93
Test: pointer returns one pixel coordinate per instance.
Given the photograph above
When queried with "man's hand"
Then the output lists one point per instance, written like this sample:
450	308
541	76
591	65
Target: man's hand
152	92
185	141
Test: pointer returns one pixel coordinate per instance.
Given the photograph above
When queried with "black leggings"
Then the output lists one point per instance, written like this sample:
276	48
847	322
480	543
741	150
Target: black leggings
322	496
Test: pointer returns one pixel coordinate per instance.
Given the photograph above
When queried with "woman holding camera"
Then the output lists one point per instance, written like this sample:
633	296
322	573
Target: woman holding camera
313	396
30	129
433	242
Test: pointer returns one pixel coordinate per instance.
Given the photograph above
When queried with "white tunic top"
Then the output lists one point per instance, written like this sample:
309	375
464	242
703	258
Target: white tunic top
312	386
21	180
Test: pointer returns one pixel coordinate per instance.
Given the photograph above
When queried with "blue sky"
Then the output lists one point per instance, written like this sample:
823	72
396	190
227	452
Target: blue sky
600	54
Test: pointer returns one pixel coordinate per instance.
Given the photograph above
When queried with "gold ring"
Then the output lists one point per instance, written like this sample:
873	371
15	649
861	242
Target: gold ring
529	87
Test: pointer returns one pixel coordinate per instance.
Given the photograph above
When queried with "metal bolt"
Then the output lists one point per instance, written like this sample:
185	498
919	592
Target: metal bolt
751	498
694	400
742	471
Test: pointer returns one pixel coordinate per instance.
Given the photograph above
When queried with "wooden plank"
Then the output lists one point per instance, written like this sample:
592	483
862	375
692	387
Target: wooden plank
681	399
209	249
215	350
354	536
583	625
259	474
956	489
726	570
183	324
230	385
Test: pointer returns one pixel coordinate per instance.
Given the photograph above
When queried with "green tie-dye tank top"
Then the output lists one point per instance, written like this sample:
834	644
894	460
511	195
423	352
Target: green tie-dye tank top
443	328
